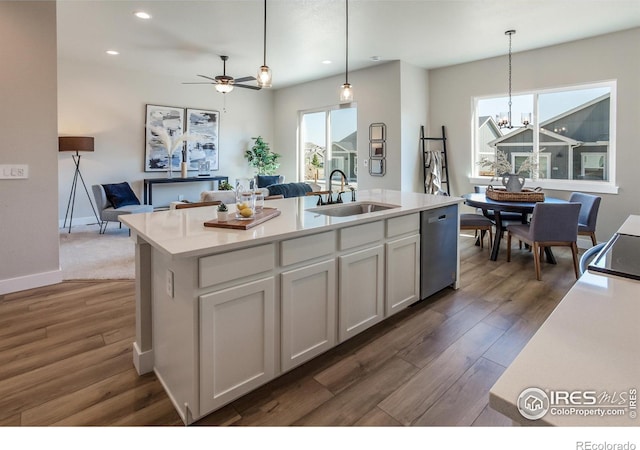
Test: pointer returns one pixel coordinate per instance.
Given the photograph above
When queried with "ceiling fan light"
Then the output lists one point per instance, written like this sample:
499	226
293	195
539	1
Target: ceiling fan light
224	88
346	93
264	77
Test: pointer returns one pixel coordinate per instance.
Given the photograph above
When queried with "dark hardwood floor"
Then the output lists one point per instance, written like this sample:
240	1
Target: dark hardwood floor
65	356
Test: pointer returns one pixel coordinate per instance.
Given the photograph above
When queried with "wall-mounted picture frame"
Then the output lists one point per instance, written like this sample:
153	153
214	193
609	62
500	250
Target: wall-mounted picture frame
171	119
377	132
376	167
377	149
204	126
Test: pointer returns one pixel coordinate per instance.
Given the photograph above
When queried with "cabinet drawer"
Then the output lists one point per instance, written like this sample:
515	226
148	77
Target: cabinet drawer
230	266
398	226
308	247
361	234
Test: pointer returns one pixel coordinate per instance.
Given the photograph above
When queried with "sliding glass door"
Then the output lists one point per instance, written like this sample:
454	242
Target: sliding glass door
328	141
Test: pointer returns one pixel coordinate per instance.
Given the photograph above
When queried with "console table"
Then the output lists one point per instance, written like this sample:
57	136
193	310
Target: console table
149	182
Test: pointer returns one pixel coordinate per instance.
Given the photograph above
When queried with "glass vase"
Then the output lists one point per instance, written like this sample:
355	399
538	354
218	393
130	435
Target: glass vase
245	205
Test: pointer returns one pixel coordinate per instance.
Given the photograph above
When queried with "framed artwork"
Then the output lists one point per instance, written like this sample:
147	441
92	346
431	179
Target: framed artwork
377	167
170	119
377	149
202	148
377	132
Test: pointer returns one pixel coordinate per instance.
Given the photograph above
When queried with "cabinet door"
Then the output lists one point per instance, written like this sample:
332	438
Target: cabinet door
403	273
361	295
308	312
237	327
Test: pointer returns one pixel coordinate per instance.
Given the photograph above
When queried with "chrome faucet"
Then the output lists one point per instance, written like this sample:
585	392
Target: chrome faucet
346	183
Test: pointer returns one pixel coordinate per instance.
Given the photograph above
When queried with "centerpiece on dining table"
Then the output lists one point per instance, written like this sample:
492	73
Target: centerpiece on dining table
512	181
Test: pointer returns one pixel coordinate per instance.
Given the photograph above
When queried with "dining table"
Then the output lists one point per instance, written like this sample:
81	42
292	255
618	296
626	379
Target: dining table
493	209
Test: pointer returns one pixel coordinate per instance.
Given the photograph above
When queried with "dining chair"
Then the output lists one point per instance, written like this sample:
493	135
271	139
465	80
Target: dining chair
588	214
479	223
505	216
551	225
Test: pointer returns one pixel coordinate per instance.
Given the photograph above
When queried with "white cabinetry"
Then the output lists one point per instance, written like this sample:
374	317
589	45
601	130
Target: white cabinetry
402	263
237	327
403	273
361	280
308	297
308	312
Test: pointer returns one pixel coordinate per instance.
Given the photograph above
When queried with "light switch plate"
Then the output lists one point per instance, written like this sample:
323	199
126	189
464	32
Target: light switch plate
14	171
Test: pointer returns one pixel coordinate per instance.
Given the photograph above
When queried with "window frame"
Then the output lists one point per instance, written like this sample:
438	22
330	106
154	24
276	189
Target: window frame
607	187
327	111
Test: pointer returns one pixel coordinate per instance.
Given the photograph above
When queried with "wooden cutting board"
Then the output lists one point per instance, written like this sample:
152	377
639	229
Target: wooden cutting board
266	214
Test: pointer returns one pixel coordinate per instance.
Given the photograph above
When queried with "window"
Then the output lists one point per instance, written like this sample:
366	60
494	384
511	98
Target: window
564	135
318	127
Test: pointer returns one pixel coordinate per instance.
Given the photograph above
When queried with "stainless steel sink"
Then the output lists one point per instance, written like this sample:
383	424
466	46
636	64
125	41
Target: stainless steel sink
351	209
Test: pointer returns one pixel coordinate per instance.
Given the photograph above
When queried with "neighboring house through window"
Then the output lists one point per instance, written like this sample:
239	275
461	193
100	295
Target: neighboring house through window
570	138
337	125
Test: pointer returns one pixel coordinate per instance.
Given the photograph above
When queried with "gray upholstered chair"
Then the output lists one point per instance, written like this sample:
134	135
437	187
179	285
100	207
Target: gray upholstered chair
108	213
552	224
479	223
506	217
588	214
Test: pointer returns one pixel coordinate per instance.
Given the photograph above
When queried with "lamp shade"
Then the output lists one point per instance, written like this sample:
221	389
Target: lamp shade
75	144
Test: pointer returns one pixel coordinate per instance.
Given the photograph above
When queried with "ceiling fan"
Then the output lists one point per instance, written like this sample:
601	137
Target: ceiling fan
225	83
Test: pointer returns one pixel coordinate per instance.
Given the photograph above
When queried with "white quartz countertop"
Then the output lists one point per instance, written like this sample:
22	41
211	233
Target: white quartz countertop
181	232
589	344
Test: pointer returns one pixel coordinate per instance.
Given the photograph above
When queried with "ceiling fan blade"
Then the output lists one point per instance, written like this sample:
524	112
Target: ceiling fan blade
208	78
257	88
243	79
200	82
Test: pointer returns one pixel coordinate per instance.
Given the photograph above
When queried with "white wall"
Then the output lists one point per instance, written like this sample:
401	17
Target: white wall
614	56
28	218
377	95
414	110
109	104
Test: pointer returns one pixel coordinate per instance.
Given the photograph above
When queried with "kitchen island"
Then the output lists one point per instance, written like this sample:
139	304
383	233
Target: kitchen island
220	312
582	367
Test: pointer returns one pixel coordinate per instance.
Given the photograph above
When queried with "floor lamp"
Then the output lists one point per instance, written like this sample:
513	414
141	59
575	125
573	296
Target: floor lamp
76	144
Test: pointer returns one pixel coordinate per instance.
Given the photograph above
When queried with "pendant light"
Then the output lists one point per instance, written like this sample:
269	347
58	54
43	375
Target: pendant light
504	121
264	73
346	91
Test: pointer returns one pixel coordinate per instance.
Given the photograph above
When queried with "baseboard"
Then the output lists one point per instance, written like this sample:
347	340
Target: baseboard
142	361
30	281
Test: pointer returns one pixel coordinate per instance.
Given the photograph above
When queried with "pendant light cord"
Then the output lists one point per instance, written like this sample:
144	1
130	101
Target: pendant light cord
346	62
510	33
265	35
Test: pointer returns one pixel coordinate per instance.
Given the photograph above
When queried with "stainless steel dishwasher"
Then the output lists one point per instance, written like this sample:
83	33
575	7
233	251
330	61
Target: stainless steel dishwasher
438	249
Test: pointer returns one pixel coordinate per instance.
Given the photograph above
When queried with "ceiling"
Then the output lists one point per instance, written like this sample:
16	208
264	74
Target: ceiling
184	38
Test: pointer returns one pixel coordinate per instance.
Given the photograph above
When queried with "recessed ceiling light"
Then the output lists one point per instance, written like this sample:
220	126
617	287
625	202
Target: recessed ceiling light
326	61
375	58
112	52
142	15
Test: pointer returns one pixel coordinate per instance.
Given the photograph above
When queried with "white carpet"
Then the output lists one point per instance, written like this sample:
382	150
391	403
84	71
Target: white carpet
87	255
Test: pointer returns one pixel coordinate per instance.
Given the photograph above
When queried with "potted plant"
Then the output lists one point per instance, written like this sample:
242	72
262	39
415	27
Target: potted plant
224	186
501	167
223	213
261	157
